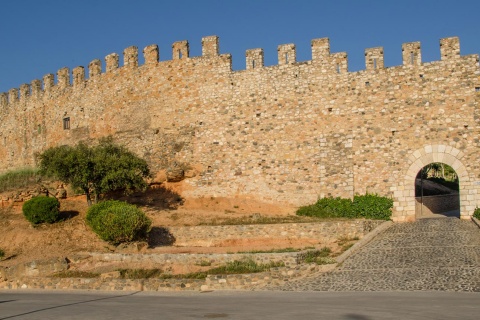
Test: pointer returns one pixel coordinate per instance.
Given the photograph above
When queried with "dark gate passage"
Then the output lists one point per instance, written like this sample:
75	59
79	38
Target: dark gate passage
437	191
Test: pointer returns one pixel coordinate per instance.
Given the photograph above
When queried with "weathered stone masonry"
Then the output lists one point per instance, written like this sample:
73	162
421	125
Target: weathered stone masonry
288	133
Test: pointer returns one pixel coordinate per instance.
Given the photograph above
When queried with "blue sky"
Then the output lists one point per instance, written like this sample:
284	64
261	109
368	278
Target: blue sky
40	37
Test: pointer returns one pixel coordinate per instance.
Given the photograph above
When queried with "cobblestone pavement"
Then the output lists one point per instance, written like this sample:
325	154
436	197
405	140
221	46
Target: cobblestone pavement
429	254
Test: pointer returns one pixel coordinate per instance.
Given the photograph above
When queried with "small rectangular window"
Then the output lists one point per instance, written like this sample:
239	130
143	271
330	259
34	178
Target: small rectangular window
66	123
477	89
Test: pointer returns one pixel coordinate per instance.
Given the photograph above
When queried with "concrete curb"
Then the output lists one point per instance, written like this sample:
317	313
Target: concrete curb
366	239
475	220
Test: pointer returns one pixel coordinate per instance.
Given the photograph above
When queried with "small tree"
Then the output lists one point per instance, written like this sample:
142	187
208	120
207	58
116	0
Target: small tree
96	169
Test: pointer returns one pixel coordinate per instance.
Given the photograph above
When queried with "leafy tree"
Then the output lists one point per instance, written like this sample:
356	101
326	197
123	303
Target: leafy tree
96	169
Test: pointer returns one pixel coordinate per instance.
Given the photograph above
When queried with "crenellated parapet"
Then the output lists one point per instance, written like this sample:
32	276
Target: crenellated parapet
210	46
3	100
151	54
36	88
78	76
322	58
374	59
180	50
254	58
63	77
450	48
130	57
286	54
94	68
112	62
411	54
24	91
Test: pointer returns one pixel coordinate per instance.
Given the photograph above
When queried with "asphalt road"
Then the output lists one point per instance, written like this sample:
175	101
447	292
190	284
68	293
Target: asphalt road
239	305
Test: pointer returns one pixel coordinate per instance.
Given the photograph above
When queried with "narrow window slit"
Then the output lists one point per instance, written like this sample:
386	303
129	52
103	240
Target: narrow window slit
66	123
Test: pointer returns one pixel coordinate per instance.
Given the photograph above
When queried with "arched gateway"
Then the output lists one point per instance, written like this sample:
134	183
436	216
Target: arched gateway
404	196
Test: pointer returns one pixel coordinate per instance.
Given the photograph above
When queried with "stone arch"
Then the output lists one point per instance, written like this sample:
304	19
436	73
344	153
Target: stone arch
404	195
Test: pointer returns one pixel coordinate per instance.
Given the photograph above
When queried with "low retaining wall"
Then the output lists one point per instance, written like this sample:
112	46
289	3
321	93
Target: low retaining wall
252	281
217	236
164	260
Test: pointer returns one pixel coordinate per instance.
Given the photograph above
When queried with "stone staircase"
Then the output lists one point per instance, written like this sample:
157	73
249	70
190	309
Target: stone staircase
441	254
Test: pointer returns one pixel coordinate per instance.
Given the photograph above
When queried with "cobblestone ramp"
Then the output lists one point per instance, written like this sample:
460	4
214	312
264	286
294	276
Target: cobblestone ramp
429	254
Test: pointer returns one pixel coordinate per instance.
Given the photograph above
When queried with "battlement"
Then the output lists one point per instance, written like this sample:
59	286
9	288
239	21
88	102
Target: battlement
287	133
320	49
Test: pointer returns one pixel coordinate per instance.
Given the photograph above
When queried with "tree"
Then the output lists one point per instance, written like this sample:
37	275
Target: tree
96	169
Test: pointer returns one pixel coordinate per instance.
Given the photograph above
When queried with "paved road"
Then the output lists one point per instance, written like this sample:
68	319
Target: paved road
239	305
429	254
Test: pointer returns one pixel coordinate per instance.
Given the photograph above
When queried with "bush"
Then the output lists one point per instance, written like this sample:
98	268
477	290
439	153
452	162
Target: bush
41	209
328	208
118	222
476	213
369	206
372	206
2	254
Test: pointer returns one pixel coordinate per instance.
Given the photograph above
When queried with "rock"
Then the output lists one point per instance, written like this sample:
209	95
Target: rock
190	173
61	193
175	174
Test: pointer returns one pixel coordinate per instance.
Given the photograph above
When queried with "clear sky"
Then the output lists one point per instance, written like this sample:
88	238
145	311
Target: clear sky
40	37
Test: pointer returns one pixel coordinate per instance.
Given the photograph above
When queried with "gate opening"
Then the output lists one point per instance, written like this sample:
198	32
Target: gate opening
437	191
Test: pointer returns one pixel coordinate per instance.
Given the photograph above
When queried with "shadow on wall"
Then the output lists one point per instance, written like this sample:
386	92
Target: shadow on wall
158	198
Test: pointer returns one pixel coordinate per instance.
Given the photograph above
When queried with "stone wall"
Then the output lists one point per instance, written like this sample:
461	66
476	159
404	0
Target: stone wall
437	204
215	236
286	134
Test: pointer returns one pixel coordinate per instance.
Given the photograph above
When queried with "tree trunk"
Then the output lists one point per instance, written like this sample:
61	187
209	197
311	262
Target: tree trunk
89	198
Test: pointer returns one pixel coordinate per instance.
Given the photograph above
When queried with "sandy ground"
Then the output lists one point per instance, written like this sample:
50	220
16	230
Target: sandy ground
22	242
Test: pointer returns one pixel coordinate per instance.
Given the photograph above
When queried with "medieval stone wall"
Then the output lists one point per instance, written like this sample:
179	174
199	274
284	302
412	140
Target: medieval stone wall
288	133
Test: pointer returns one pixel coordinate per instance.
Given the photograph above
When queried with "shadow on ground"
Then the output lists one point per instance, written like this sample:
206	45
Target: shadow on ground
67	215
158	198
160	236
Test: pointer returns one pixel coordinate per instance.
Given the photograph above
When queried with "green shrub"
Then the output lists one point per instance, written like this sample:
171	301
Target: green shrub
369	206
118	222
476	213
328	208
41	209
2	254
372	206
